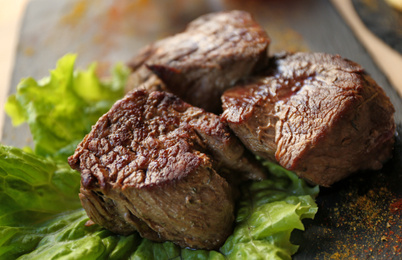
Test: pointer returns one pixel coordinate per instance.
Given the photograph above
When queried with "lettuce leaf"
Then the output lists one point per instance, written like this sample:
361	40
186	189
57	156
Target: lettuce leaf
61	108
30	227
65	237
268	213
32	188
40	214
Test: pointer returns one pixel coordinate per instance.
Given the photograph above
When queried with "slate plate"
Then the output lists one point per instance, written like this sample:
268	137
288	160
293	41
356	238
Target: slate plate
358	218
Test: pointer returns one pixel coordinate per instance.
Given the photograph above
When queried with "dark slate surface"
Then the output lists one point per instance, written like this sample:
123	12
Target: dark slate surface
356	217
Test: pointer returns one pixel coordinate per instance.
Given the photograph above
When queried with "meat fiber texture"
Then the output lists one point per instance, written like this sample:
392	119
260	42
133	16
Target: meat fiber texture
154	164
316	114
198	64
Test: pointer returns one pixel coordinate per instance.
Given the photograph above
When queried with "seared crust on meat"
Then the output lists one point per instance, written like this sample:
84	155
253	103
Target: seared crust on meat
316	114
198	64
153	164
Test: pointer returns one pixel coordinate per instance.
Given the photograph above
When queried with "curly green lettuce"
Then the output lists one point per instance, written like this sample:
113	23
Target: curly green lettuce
40	213
33	188
268	213
60	109
38	220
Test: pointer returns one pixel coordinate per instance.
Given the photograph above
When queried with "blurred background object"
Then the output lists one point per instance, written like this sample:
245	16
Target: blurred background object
397	4
388	59
10	20
382	19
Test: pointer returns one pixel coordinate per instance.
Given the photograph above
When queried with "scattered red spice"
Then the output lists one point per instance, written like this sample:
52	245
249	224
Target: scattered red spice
374	219
396	206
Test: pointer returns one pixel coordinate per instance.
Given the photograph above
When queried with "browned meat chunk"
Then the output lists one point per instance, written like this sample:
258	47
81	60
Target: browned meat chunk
316	114
153	164
198	64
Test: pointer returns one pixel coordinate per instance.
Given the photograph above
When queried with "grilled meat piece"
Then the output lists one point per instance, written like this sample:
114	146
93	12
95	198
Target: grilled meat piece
316	114
152	164
198	64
